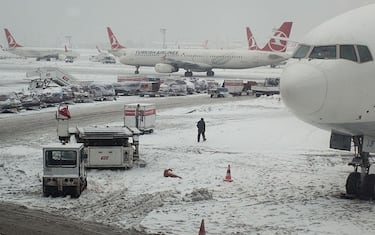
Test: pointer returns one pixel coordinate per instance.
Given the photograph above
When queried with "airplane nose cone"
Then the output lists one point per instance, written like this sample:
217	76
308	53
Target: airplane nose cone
303	88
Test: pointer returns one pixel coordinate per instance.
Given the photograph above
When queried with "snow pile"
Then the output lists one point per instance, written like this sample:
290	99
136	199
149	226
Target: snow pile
196	195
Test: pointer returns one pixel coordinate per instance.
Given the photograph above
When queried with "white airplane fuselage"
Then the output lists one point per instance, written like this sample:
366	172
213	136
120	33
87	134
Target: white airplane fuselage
204	59
34	52
332	91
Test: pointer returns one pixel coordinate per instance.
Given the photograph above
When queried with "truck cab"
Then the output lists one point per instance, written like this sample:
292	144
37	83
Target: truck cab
64	171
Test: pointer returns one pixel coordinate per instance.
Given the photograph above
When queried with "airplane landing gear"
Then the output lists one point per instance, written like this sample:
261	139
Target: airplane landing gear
136	70
188	74
360	184
210	73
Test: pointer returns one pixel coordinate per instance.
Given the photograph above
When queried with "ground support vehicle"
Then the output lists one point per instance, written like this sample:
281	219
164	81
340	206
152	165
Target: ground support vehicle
149	88
270	86
105	147
220	92
109	147
234	86
141	116
64	172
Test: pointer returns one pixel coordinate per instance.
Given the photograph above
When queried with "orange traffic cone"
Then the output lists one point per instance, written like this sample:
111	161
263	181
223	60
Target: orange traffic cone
228	177
202	230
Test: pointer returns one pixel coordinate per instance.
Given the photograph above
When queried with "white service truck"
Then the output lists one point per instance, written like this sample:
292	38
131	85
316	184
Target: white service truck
234	86
270	86
64	172
108	147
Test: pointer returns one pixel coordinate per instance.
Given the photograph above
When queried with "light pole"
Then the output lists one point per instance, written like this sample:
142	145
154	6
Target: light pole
163	32
69	39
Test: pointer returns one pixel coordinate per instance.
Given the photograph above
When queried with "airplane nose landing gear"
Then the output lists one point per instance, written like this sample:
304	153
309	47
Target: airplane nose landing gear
360	184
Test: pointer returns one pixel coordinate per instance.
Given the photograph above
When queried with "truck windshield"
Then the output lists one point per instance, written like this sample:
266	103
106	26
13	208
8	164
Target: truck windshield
61	158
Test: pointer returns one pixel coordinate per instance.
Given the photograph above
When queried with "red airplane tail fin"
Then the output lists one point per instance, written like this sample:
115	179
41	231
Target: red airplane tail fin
276	43
205	44
113	40
11	41
252	44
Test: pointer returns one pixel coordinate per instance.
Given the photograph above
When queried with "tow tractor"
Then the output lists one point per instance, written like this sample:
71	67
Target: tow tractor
64	172
65	164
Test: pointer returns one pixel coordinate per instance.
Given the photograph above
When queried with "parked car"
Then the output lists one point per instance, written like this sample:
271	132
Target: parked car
69	59
108	60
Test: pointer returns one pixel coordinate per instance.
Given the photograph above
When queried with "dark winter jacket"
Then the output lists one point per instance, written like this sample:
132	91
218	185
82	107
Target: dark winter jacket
201	125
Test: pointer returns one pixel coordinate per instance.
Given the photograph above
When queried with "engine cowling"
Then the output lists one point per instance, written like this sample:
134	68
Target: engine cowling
165	68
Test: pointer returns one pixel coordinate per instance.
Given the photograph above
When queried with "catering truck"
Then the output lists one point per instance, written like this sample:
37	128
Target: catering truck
64	172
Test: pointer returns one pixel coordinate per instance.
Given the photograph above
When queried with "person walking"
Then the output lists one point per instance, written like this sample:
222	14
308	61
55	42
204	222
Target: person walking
201	125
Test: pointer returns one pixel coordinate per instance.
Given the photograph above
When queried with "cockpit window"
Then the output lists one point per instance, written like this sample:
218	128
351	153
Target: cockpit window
348	52
364	54
301	52
323	52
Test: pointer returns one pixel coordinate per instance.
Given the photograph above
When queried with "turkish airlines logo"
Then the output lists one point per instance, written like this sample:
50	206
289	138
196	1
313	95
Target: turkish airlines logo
11	42
276	44
252	44
114	42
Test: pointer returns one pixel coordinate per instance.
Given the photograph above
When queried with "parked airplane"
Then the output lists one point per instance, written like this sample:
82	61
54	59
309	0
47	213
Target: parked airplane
197	60
34	52
276	43
103	57
330	83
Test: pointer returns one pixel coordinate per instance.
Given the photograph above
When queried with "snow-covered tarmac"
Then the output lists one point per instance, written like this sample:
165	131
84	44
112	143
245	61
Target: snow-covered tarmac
285	178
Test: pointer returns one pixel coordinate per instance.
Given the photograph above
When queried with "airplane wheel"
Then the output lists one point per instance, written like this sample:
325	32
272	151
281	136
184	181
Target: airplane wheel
210	73
136	72
353	183
369	186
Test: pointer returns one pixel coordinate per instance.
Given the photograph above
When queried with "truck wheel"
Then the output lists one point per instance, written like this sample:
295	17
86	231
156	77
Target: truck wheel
76	191
46	192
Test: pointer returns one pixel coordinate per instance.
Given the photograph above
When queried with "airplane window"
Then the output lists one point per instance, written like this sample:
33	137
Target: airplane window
348	52
364	54
323	52
301	52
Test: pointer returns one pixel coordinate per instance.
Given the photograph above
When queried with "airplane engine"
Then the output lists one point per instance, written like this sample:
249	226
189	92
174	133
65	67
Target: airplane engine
165	68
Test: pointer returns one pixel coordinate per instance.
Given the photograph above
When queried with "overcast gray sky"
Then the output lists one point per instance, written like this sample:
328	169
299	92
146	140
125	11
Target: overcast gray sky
138	22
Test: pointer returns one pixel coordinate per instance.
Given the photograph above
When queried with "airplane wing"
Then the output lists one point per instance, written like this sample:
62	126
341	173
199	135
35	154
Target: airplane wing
188	65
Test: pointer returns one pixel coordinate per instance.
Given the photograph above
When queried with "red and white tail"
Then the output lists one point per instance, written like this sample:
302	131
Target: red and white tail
113	40
252	44
11	41
276	43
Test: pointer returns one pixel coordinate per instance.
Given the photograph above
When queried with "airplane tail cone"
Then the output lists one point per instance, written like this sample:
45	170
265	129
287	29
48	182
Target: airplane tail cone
228	177
202	230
